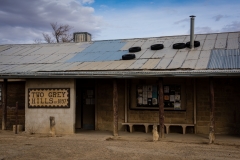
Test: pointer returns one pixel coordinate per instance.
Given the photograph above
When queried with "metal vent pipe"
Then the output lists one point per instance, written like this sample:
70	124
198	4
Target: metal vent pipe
192	32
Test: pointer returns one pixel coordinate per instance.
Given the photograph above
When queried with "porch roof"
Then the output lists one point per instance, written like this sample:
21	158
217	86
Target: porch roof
218	55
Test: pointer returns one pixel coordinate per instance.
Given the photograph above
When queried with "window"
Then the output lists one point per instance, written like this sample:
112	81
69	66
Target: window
144	94
147	95
172	96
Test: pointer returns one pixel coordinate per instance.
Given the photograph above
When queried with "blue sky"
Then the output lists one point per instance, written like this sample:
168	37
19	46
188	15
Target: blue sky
24	21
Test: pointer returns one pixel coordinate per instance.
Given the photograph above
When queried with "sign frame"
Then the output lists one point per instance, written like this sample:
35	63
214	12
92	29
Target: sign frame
67	90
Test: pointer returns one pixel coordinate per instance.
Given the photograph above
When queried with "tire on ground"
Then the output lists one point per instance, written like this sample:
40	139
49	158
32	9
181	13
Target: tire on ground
196	44
134	49
179	45
128	56
157	46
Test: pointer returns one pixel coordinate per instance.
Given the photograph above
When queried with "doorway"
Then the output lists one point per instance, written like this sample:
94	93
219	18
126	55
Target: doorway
85	108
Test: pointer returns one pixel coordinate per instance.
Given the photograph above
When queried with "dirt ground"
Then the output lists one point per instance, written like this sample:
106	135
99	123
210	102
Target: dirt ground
102	145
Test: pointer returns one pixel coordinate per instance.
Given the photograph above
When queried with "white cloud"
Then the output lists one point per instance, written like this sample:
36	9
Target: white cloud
201	30
219	17
182	21
234	26
22	24
87	1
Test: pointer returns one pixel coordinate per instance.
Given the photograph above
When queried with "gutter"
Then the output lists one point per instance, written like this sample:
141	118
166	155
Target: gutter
122	74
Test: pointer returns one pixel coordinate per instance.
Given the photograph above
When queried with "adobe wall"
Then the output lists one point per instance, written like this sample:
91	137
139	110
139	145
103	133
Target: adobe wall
104	102
227	106
37	119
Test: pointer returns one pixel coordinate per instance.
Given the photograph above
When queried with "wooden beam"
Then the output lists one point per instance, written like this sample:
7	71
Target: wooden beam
4	105
195	106
16	118
115	108
126	102
212	113
161	109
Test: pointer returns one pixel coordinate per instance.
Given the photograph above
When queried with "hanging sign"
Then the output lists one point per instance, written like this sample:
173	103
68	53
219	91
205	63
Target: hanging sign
49	98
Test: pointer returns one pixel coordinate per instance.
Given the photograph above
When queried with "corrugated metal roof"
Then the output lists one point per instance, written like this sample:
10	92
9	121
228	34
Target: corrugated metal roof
217	51
225	59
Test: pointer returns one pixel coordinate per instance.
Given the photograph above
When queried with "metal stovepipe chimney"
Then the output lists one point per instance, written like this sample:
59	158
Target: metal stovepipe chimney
192	32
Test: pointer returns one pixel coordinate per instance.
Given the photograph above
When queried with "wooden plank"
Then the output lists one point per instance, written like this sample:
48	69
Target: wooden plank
148	53
211	36
90	66
10	51
166	53
168	43
179	39
200	37
205	54
212	113
178	60
221	43
164	63
161	109
72	65
129	43
147	44
140	53
202	63
151	64
80	66
232	43
2	48
189	64
138	64
102	65
67	57
139	43
193	54
233	35
208	44
113	65
125	64
222	36
115	108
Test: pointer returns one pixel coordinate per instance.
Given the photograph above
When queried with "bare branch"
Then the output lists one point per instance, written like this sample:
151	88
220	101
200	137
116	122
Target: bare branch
61	32
47	38
37	40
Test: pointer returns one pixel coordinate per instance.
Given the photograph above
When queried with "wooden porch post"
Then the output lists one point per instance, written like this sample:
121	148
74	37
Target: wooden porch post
212	113
161	109
4	105
115	108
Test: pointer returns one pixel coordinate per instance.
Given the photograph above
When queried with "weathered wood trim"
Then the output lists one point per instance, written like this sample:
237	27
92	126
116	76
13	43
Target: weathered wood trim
115	108
161	109
126	101
4	105
195	106
16	117
212	113
96	105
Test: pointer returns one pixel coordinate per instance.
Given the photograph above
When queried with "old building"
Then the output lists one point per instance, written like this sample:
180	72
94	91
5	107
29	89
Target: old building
89	85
